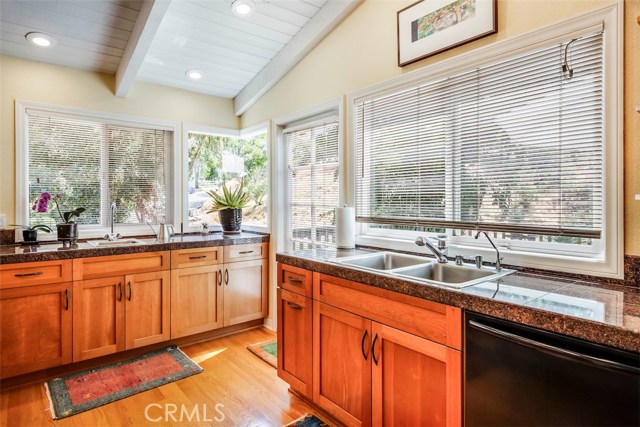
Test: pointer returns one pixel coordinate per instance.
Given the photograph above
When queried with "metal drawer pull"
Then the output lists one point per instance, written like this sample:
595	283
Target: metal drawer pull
120	289
35	273
66	299
245	252
197	257
364	337
220	277
226	277
373	350
130	292
294	306
294	280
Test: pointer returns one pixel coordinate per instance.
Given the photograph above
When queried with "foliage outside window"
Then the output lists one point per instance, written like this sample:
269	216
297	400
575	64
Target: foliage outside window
214	160
515	147
92	163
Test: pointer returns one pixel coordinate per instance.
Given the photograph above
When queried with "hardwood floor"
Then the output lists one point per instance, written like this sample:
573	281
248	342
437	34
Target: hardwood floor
248	389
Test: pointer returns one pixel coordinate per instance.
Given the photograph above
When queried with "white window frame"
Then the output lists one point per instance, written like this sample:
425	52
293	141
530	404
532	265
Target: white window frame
609	261
188	128
92	231
279	171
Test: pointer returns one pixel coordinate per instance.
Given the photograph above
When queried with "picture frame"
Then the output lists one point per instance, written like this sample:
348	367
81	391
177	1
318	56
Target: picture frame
428	27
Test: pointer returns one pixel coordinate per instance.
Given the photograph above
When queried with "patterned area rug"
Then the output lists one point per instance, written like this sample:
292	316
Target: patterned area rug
307	420
81	391
267	351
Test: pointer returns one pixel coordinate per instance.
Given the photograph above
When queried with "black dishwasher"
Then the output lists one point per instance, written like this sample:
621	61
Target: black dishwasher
520	376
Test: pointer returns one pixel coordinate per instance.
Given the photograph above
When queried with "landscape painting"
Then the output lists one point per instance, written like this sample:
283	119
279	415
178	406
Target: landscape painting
443	18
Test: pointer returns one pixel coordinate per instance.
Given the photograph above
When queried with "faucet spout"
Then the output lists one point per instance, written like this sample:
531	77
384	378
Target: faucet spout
498	259
442	258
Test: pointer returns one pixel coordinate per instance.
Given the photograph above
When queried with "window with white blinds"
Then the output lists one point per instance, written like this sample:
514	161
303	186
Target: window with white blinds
313	184
513	146
92	163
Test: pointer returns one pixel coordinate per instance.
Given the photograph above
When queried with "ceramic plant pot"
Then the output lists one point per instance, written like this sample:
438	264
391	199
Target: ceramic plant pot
67	231
230	220
30	236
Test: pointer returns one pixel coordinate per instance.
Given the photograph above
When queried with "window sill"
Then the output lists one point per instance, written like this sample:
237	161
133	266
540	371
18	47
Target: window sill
592	266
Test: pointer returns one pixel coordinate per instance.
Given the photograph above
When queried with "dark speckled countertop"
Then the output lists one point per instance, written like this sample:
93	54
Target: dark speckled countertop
606	314
11	254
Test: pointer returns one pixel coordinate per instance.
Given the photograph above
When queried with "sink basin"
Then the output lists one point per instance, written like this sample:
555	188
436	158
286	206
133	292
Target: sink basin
382	261
452	275
115	243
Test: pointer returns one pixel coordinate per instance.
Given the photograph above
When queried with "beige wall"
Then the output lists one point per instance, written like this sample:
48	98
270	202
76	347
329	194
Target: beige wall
362	51
52	84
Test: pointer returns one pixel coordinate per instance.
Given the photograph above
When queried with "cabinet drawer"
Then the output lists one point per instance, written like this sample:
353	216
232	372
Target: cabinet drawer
245	252
295	279
115	265
196	257
35	273
433	321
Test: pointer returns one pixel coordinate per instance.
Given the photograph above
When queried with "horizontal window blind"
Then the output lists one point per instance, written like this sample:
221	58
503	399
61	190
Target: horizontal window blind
312	160
511	146
92	163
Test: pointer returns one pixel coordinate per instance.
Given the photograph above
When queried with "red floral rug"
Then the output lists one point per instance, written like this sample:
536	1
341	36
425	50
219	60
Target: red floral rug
81	391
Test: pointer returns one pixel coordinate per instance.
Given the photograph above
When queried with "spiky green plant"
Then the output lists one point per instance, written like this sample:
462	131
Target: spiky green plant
229	199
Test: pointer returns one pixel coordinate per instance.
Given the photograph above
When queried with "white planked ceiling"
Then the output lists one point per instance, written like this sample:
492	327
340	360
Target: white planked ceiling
159	40
91	35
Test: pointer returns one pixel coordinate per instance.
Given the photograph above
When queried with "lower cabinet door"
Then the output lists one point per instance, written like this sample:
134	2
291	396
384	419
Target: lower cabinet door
35	328
342	364
416	382
148	308
196	300
295	343
245	291
98	317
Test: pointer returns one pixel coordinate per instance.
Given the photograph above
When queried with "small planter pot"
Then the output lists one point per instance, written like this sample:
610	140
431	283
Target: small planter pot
67	231
230	220
30	236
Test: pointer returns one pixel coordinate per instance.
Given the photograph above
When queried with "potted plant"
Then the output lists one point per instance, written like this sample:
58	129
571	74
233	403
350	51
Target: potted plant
229	206
68	229
30	233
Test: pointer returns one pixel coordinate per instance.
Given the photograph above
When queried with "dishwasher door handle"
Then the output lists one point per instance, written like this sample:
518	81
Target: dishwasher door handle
547	348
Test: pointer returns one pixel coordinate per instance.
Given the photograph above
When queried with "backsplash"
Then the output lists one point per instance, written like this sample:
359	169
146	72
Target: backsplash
7	237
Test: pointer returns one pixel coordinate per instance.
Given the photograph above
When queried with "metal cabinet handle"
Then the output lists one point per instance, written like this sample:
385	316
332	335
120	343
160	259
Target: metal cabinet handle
294	306
294	280
364	337
197	257
120	289
220	277
35	273
373	350
226	277
66	299
130	292
245	252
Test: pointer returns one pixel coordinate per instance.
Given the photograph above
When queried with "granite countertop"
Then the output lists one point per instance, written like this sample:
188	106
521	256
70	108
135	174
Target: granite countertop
11	254
601	313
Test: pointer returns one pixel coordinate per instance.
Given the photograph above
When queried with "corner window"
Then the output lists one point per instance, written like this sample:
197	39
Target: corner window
522	145
216	158
92	162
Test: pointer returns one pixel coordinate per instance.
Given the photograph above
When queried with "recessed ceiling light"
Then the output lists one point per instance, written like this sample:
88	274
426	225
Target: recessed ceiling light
194	74
242	7
41	39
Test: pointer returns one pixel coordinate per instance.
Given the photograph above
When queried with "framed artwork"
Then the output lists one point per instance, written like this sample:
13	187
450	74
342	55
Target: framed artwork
433	26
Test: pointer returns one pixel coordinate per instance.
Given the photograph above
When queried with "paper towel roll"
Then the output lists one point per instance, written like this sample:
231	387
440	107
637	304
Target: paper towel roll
345	228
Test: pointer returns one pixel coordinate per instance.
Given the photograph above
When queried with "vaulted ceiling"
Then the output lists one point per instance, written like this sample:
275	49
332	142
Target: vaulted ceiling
158	41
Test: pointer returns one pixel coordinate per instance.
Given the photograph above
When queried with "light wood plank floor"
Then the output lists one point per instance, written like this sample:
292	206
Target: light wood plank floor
248	388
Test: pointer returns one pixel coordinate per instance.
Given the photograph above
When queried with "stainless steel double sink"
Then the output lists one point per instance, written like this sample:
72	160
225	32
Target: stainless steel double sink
422	269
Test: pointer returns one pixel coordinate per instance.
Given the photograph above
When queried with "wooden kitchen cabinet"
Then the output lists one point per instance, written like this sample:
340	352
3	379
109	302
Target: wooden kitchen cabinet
196	300
35	328
119	313
342	364
415	381
245	291
295	343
